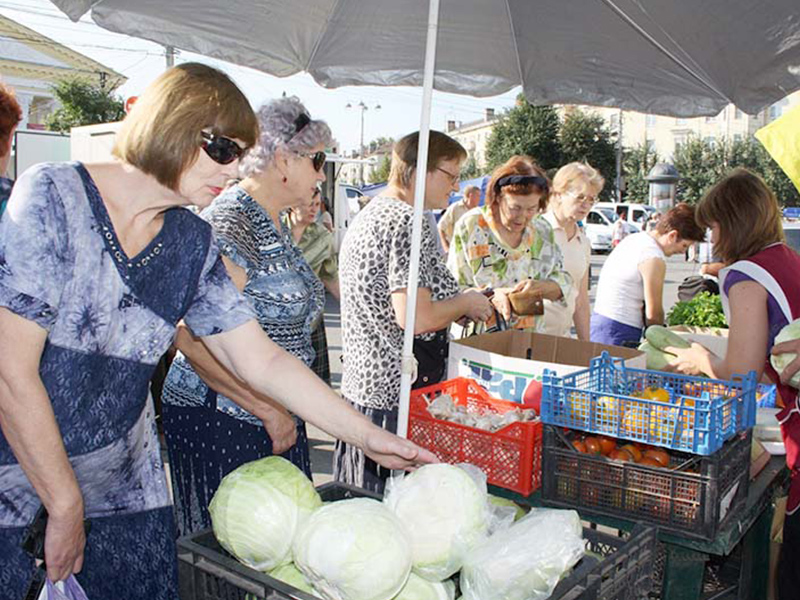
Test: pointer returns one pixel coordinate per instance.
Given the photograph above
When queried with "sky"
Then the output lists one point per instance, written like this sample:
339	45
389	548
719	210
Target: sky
142	61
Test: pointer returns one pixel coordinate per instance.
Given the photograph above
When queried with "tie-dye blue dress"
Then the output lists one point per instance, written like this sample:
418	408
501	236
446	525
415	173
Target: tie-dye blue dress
109	318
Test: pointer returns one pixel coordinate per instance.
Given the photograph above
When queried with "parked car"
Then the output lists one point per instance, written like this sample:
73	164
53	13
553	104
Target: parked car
599	227
635	214
792	231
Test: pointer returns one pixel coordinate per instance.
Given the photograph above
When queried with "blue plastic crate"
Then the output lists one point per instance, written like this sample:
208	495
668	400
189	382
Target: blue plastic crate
766	395
689	414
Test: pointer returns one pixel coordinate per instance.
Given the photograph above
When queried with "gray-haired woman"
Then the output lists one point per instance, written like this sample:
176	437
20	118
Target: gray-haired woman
208	432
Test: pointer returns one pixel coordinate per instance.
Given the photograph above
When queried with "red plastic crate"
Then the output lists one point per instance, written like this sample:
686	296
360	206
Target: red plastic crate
511	457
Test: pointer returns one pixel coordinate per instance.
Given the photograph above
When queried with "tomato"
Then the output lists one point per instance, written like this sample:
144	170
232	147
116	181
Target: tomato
634	451
592	445
622	455
579	446
649	462
659	455
533	395
607	445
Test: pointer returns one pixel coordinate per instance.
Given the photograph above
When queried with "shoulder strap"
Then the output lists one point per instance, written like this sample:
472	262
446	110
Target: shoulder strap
762	276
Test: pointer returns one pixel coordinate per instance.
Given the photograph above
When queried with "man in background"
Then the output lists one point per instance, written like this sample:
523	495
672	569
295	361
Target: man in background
471	199
10	116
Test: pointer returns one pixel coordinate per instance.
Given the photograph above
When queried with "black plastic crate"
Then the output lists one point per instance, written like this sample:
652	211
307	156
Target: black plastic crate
207	572
695	497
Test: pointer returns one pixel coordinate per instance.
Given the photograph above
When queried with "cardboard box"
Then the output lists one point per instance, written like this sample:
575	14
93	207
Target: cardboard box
505	362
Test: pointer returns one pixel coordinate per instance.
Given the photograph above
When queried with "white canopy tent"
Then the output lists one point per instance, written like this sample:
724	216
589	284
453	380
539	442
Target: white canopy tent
681	57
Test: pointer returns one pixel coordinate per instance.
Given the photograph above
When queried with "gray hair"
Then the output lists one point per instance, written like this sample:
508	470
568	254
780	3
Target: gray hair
278	129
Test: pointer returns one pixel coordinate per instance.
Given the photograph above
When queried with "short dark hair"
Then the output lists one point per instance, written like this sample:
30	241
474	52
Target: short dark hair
681	218
441	147
747	212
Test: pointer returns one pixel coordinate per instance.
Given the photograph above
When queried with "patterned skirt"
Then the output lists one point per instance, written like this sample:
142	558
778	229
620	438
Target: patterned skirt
129	556
321	365
204	445
352	466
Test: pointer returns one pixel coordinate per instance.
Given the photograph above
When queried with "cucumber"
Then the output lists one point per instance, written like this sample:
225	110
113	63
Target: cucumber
662	338
657	360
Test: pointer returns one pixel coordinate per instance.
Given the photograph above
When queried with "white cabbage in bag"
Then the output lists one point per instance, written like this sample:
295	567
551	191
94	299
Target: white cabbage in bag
257	509
781	361
445	512
526	561
417	588
291	575
354	550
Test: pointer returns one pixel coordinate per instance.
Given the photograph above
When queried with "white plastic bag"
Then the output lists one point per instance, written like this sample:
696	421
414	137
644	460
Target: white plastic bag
63	590
525	561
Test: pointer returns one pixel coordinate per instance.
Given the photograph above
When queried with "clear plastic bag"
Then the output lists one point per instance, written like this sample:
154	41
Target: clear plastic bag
63	590
525	561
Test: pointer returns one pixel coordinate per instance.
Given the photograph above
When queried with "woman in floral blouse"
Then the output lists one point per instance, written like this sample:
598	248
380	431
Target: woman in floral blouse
502	245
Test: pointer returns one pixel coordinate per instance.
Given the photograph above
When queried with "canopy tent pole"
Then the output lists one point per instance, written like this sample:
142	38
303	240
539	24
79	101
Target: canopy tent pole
409	364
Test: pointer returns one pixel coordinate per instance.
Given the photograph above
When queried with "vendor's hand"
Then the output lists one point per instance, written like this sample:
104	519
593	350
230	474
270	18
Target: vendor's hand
688	361
282	430
477	306
792	347
394	452
544	288
501	302
64	541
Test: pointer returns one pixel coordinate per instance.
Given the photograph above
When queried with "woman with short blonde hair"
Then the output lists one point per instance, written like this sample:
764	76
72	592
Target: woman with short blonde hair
576	187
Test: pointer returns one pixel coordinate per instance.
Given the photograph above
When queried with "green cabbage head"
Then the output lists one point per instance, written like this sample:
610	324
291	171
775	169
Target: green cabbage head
417	588
291	575
445	511
354	550
781	361
258	508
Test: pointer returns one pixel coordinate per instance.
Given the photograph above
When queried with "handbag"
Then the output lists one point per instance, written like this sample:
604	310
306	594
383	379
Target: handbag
693	285
431	358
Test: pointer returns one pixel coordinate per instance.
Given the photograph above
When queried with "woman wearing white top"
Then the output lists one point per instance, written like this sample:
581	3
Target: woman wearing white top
630	290
575	190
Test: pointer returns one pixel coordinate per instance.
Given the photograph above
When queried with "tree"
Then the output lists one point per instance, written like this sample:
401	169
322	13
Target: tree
585	138
380	174
378	142
636	165
526	129
699	167
470	169
83	103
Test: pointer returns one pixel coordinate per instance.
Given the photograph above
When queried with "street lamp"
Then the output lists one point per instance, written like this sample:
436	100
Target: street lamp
363	107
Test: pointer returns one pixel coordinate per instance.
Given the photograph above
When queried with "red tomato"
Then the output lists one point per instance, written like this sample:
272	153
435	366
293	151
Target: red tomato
622	455
579	446
607	445
633	451
592	445
658	455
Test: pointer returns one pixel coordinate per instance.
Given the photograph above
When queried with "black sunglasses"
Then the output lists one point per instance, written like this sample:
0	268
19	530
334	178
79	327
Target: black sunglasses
220	149
317	158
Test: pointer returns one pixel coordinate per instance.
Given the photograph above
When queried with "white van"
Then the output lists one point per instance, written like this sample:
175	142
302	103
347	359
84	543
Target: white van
635	214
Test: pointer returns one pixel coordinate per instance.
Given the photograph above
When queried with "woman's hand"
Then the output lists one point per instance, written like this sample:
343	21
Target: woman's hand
281	428
476	305
790	347
690	361
501	302
394	452
64	541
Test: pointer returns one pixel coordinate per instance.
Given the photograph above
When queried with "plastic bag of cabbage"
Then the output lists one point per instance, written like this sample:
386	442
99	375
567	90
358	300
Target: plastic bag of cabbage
446	512
526	561
781	361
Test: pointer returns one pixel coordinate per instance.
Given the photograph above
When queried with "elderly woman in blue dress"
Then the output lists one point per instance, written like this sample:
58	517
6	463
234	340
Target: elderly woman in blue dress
282	170
98	265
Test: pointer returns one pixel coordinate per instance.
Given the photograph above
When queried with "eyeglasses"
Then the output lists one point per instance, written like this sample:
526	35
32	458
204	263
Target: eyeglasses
454	179
583	197
317	158
220	149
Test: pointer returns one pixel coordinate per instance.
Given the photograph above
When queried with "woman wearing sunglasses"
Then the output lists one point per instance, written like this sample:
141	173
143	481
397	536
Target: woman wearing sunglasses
504	246
99	264
282	170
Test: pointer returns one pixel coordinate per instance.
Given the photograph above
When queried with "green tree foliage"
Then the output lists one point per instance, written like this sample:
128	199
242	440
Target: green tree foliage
701	164
381	173
586	138
470	169
526	129
379	142
83	103
636	165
